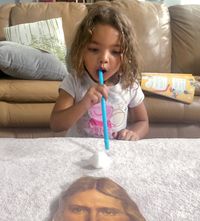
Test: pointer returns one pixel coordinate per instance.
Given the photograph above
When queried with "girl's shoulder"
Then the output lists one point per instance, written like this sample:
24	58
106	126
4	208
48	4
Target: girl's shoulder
132	88
70	77
70	81
73	80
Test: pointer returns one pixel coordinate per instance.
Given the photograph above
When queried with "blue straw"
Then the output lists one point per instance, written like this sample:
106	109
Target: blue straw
104	115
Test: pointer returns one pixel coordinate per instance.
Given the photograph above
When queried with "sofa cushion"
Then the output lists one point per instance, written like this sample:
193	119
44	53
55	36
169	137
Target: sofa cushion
25	114
20	61
46	35
163	110
152	26
197	85
5	10
185	38
26	91
71	13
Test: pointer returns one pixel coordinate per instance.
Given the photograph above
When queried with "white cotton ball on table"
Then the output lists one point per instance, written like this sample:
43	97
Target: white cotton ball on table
100	160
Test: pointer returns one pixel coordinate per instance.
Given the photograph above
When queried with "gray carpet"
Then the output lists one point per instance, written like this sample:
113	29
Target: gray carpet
161	175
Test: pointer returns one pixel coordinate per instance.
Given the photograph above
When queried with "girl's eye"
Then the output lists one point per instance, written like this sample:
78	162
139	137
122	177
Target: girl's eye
116	53
93	49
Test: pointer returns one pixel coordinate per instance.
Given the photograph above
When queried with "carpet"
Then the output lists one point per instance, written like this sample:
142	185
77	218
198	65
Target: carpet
161	175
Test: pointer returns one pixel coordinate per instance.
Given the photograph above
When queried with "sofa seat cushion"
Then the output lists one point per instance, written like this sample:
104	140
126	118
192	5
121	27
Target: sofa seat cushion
163	110
29	132
176	130
25	114
14	90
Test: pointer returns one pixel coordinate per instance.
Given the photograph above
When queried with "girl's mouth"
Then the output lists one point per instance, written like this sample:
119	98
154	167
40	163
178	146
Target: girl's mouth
103	70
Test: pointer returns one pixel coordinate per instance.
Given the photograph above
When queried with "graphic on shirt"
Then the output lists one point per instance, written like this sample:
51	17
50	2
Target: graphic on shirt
116	119
95	124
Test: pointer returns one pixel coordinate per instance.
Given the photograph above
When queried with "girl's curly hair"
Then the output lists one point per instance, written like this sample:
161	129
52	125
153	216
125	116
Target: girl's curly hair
104	13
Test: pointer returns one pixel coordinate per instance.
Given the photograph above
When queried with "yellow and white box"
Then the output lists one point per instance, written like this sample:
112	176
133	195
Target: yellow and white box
177	86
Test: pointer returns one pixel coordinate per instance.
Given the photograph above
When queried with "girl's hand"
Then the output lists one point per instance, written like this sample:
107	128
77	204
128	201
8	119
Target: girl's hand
94	95
126	134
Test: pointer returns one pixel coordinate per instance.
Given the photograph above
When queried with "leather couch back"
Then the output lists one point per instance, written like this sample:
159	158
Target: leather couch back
185	26
71	13
152	25
151	22
5	10
158	29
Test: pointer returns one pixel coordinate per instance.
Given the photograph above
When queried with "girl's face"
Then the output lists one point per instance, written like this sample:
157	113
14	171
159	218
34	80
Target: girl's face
103	51
92	205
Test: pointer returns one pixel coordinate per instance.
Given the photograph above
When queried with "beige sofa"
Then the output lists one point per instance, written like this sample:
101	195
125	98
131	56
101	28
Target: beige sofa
168	40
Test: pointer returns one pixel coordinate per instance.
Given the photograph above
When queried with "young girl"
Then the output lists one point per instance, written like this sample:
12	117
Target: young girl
104	40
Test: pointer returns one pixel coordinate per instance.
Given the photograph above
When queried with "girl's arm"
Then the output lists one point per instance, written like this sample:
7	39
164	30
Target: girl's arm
66	112
139	126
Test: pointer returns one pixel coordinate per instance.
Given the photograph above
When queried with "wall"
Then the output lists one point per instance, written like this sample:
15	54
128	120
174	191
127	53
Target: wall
172	2
13	1
177	2
167	2
183	2
6	1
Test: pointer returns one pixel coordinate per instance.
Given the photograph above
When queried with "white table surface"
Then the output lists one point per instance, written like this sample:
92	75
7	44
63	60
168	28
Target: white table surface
161	175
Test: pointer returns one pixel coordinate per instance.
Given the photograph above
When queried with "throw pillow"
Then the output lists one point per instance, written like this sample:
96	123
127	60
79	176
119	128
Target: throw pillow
46	35
25	62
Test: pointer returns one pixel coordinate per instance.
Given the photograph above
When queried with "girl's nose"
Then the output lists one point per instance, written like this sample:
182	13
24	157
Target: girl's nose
104	58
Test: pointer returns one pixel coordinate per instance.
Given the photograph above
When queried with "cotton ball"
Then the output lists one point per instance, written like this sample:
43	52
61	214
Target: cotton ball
100	160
